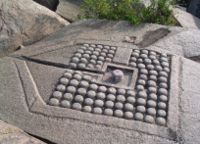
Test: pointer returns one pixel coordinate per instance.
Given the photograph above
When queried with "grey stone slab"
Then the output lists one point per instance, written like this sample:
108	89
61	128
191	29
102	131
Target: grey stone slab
120	56
186	19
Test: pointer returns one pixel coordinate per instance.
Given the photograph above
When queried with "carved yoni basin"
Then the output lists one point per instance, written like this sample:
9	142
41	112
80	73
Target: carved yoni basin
114	81
102	84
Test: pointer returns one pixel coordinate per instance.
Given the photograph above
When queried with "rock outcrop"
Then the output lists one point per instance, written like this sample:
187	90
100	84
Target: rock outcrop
26	20
61	88
186	19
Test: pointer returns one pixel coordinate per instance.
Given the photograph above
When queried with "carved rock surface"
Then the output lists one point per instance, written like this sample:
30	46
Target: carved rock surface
27	20
57	88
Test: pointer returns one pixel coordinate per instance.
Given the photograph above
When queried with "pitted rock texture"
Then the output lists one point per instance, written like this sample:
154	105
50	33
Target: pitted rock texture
27	21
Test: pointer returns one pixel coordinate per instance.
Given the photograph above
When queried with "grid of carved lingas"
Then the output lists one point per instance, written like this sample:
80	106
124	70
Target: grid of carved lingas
147	102
92	56
152	86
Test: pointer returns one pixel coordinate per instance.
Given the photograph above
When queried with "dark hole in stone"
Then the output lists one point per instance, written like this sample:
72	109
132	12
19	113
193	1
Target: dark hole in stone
19	48
173	134
42	139
195	58
153	36
50	4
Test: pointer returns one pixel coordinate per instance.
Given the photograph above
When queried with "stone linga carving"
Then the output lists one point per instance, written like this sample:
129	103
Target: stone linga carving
117	76
114	81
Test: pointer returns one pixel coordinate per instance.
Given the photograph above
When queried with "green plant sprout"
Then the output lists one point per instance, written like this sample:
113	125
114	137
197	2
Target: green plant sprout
159	11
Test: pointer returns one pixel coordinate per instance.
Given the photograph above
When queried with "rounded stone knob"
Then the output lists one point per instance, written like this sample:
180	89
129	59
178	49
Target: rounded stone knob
117	75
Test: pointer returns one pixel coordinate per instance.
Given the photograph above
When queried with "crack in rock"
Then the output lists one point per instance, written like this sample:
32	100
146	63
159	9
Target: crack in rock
153	36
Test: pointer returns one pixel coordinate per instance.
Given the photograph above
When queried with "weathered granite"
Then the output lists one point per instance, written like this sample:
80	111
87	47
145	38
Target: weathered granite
48	88
186	19
13	135
185	43
25	22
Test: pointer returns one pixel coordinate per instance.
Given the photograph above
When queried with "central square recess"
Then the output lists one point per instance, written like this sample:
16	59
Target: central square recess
118	76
